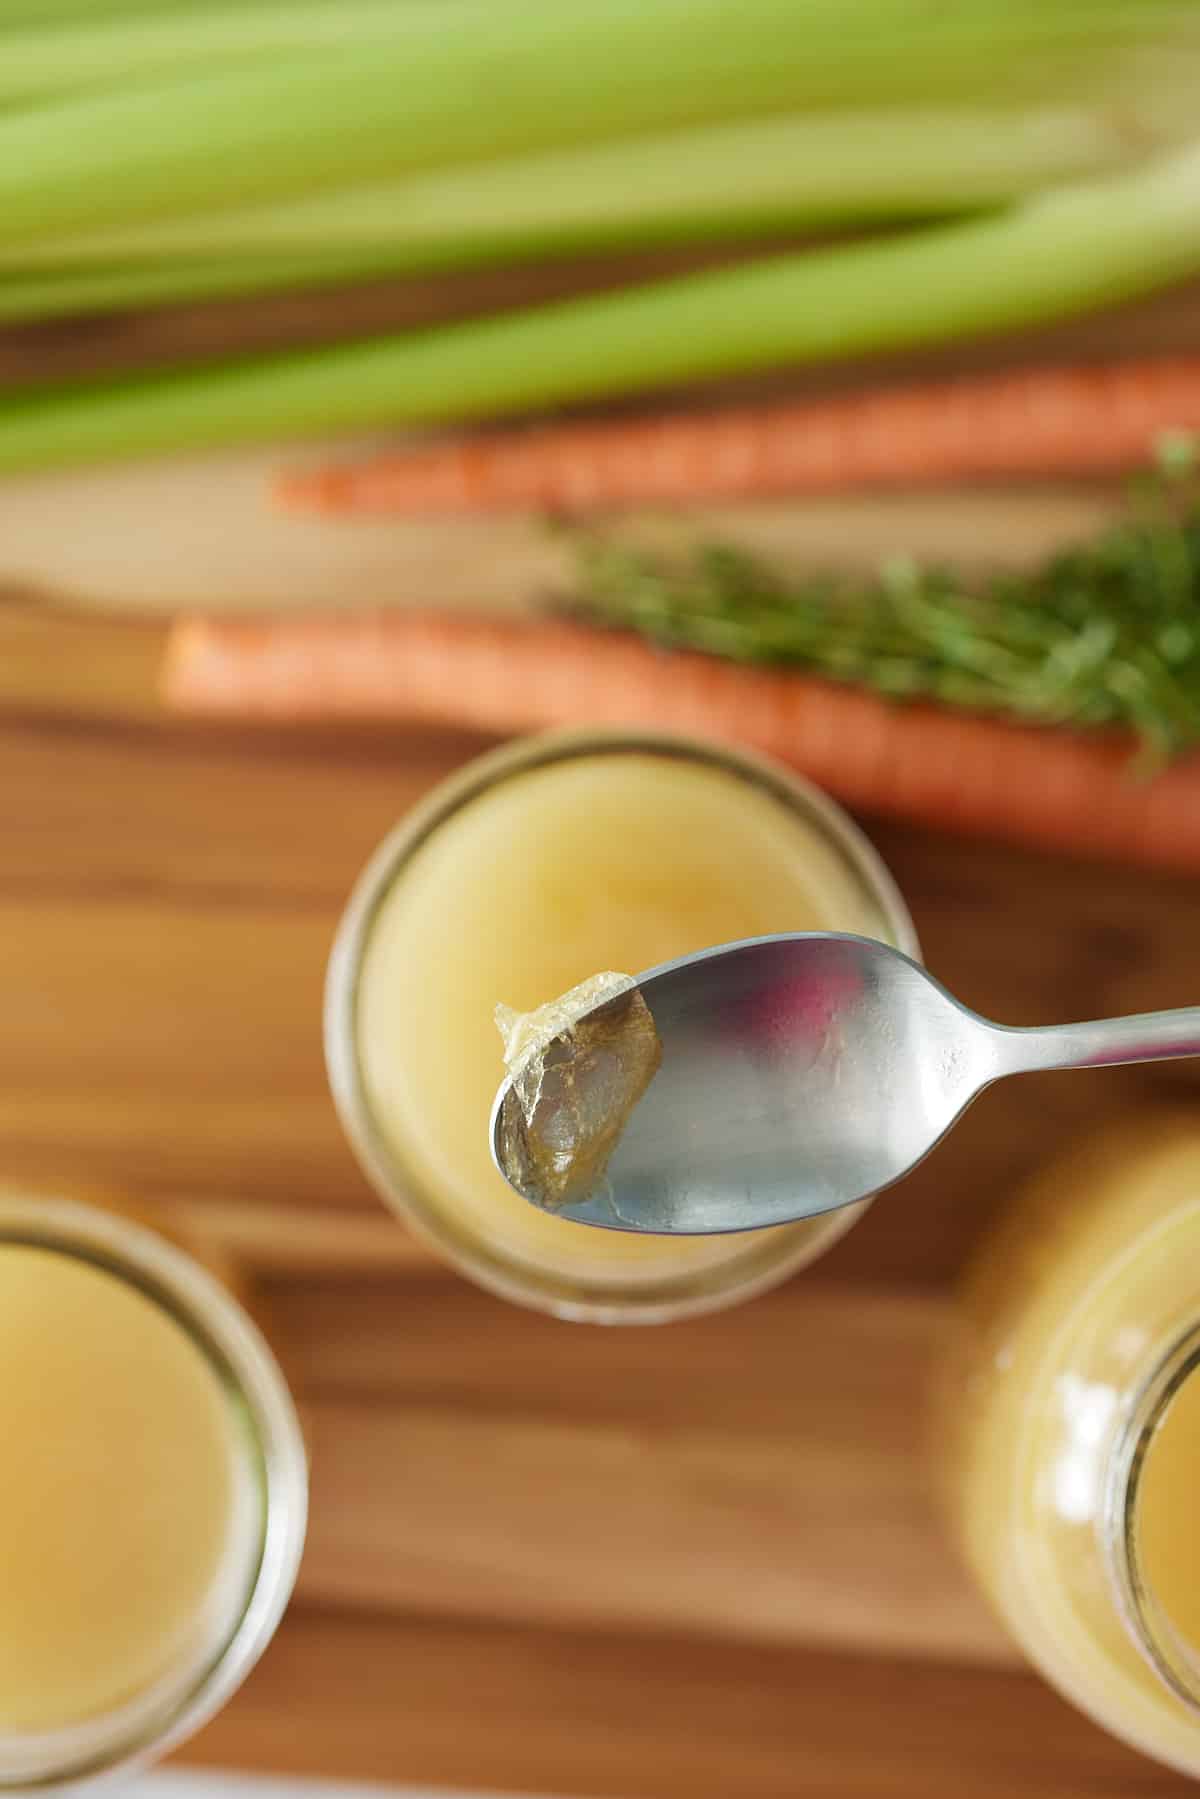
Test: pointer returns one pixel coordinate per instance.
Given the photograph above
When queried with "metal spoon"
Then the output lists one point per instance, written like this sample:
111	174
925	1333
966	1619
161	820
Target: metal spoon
803	1073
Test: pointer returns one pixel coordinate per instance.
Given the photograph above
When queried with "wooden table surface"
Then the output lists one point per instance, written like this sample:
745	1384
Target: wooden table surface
697	1561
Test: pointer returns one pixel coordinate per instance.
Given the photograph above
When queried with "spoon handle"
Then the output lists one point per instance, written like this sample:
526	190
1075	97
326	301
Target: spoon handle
1145	1037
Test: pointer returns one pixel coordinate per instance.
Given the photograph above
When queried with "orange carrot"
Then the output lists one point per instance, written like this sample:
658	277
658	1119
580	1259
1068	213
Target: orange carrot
1045	787
1072	421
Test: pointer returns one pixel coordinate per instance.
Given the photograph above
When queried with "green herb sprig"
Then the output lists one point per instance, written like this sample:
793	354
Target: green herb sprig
1104	634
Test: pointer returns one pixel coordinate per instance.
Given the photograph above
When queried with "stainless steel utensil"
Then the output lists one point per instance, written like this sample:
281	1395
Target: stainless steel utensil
803	1073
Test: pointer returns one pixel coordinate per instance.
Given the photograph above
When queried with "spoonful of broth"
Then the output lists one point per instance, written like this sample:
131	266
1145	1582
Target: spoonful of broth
762	1082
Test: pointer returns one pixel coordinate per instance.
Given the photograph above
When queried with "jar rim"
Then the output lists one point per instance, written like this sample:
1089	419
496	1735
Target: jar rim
674	1297
1143	1615
143	1729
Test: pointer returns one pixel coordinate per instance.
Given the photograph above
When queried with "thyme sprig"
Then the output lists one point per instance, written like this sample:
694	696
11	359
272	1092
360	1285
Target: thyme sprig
1104	634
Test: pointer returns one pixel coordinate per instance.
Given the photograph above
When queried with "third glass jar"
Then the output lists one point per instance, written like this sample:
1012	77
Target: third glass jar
1069	1429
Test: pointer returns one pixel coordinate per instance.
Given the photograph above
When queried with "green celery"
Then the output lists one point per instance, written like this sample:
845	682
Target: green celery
112	48
473	79
714	182
1055	255
109	287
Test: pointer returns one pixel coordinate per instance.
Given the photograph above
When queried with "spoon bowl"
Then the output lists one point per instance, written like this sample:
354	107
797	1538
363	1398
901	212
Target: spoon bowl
806	1072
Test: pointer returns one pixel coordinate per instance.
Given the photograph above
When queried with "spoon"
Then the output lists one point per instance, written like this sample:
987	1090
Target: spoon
806	1072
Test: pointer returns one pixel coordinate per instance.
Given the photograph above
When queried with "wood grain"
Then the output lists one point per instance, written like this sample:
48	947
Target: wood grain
55	663
712	1501
593	1714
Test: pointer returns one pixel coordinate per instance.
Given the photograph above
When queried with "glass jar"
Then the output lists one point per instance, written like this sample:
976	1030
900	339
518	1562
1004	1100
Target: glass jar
535	867
1069	1429
105	1323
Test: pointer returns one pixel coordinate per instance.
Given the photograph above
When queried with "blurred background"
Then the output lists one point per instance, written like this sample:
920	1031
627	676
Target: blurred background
375	377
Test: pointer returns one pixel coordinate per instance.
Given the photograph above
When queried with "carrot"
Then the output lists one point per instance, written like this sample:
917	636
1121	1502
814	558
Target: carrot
1064	421
1046	787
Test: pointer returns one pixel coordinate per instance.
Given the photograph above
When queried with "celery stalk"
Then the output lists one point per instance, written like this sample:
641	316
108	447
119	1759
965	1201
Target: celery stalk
17	16
114	48
1060	253
714	182
718	184
108	287
21	15
478	79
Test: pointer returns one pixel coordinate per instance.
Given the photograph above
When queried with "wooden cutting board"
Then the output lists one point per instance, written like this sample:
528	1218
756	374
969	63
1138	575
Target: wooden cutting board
696	1561
700	1561
202	533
